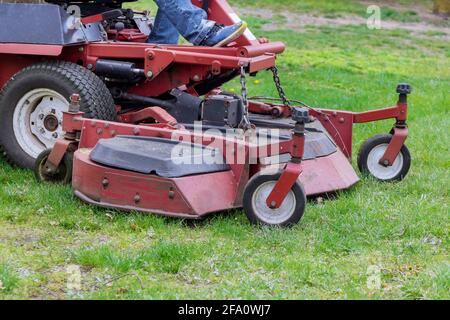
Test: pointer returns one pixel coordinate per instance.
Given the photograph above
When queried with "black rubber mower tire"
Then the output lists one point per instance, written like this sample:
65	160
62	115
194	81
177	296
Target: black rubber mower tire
259	179
372	143
63	77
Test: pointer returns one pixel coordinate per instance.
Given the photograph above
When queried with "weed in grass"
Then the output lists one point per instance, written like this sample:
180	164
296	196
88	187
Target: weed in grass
106	257
171	257
8	279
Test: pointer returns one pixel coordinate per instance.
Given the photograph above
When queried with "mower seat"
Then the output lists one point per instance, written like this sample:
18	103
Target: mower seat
163	157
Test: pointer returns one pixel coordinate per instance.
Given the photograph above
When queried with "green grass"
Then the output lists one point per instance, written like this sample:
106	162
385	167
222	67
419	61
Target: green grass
168	257
402	228
323	6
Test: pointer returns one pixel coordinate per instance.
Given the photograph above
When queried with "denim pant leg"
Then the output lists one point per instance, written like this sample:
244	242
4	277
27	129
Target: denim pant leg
163	32
190	21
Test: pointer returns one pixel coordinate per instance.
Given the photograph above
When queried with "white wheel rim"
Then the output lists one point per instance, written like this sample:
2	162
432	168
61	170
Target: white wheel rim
379	171
268	215
37	120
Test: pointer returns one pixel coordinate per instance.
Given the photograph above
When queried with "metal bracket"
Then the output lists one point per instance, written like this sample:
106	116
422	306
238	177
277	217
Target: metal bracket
287	179
398	139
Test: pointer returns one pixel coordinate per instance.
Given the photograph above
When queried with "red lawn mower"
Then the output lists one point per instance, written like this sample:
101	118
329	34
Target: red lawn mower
145	127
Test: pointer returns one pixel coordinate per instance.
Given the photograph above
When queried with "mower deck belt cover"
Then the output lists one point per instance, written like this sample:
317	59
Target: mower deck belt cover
163	157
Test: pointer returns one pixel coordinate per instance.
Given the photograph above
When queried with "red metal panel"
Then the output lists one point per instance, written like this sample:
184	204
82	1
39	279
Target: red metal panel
124	188
31	49
10	64
339	125
157	113
92	130
193	195
210	192
157	60
73	122
328	174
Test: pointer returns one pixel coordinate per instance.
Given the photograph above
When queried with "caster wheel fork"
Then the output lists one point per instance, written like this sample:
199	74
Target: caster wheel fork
258	212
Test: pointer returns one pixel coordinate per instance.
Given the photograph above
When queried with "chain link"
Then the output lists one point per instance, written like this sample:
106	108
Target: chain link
244	93
277	81
244	90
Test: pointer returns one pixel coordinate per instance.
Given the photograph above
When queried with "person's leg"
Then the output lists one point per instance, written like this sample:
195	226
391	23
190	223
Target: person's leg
163	32
190	21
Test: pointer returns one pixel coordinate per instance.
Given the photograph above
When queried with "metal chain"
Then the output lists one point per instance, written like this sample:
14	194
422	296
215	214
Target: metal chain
244	93
281	93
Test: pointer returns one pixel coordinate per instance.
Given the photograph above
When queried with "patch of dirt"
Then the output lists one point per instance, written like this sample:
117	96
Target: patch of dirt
298	22
20	236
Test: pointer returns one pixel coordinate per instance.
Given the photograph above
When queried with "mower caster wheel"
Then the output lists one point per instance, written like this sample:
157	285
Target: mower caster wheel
370	154
63	173
258	212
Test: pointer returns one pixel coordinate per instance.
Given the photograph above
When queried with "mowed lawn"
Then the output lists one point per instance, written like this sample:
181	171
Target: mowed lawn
397	233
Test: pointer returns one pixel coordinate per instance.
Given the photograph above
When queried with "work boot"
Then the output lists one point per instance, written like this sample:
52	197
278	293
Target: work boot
220	35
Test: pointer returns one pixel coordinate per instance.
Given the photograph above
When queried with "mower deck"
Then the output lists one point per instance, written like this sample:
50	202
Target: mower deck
137	173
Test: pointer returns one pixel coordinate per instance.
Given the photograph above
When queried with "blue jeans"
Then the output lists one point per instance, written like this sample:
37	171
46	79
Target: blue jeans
175	17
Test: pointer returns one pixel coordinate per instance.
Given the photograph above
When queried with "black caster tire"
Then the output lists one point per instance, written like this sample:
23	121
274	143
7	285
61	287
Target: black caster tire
256	192
371	152
62	175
